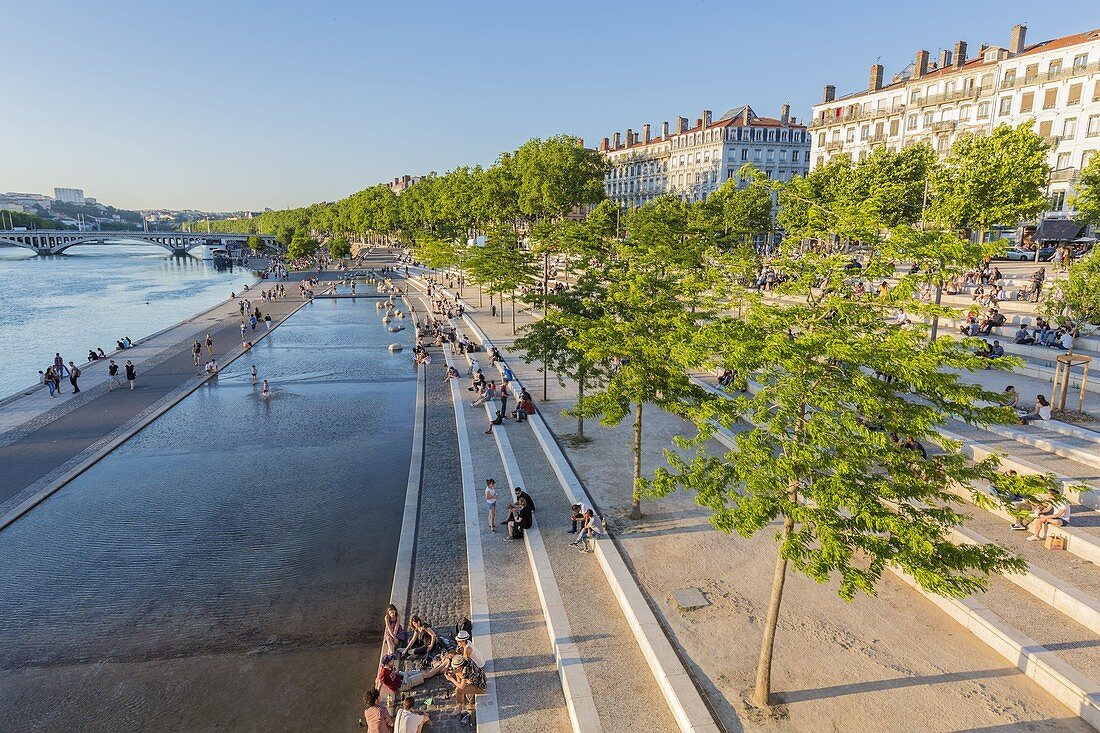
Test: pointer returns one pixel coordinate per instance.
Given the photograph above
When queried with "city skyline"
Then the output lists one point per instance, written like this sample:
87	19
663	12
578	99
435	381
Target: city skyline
276	106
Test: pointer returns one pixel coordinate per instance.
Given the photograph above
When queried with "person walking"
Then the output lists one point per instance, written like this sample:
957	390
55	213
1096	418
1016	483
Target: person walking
209	344
112	372
49	377
131	373
243	330
196	351
74	374
252	372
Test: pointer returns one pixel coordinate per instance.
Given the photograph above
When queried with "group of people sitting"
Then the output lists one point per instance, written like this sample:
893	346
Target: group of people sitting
96	354
1043	334
1037	516
426	654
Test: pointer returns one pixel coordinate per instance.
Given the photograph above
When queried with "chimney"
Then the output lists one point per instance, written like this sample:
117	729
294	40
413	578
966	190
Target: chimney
604	144
785	114
706	117
794	120
682	124
960	54
699	122
629	137
830	93
920	67
945	59
1016	40
664	130
616	141
745	115
645	133
981	50
876	78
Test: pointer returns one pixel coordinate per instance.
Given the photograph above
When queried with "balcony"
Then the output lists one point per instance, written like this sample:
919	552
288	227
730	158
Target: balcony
834	145
1052	140
1050	76
876	139
945	126
1065	174
856	116
952	96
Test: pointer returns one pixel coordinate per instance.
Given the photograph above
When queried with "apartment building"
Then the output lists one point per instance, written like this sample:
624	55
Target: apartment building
691	161
1053	84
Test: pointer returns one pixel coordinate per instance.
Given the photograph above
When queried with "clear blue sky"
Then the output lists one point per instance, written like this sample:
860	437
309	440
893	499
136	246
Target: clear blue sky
237	104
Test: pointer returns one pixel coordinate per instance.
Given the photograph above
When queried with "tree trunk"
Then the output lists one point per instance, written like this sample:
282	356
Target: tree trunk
762	694
636	501
580	398
513	312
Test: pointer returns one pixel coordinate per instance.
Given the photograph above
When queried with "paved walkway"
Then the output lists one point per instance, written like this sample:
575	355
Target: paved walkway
875	663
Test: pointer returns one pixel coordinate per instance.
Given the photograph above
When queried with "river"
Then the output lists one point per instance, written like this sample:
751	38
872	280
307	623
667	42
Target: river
226	568
92	296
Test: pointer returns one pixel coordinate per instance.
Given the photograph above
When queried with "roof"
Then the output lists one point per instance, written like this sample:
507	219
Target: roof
979	61
732	117
1058	230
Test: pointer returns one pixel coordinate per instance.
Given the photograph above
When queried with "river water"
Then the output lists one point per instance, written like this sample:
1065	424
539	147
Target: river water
226	568
92	296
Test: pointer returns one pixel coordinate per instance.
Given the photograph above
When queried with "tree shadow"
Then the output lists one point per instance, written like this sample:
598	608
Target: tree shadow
896	683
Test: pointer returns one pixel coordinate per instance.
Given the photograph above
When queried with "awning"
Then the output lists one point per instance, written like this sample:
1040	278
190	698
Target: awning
1058	230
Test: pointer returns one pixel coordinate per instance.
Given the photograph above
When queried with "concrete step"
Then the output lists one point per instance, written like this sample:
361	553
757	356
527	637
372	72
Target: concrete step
1074	448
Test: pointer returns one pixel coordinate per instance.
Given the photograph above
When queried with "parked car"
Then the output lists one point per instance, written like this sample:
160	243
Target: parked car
1015	253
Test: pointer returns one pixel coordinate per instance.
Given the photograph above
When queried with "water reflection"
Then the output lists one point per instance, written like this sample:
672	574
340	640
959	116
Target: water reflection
227	566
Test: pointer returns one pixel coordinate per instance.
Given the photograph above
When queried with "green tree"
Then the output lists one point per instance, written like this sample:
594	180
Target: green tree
339	247
1074	303
653	300
999	179
1086	197
255	244
742	206
302	247
502	266
840	384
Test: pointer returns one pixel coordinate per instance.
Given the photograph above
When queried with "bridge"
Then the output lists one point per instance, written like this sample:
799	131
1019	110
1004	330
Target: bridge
55	241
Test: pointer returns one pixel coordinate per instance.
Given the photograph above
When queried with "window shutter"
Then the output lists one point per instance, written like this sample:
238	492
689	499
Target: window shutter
1050	98
1044	128
1074	94
1027	101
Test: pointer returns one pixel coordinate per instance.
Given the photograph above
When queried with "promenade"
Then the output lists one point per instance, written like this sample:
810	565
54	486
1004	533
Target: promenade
873	663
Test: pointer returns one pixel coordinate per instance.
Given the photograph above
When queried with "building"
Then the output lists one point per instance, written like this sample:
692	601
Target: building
401	184
1054	85
693	161
69	195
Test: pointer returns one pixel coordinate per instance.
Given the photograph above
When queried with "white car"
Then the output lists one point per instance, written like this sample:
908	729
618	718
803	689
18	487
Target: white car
1018	254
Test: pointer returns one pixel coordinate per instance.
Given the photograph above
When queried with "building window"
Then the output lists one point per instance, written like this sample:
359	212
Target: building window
1055	68
1074	94
1031	73
798	136
1044	128
894	125
756	154
745	151
783	136
914	96
758	134
1069	129
1062	162
1057	200
1027	102
864	132
851	136
911	123
1006	107
821	139
983	111
964	113
1080	61
771	155
783	156
1096	92
1050	98
1086	157
1094	126
771	136
1009	77
928	118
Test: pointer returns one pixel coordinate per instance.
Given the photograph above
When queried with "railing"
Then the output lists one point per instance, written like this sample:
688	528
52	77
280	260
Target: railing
833	145
1052	140
875	139
856	116
971	93
1065	174
945	126
1064	73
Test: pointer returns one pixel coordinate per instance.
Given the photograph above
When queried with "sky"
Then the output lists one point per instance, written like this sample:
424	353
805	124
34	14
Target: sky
234	104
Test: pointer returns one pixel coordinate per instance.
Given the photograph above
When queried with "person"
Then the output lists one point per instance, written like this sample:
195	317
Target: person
422	640
1022	336
92	356
128	341
521	494
48	377
253	374
393	634
408	719
1065	341
209	344
911	443
519	519
452	373
1037	284
376	716
491	502
244	329
467	649
496	419
266	391
131	373
996	351
1041	411
504	395
995	319
577	517
74	374
119	345
525	406
591	529
112	371
468	680
101	354
267	321
1055	511
489	395
1011	398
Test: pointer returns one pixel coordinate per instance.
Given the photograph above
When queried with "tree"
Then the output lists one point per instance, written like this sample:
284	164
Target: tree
743	205
339	247
992	180
502	266
1074	303
254	243
302	247
840	386
1086	198
653	301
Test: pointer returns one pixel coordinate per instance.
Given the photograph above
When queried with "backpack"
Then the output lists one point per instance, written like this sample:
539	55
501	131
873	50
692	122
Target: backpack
464	625
76	373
